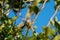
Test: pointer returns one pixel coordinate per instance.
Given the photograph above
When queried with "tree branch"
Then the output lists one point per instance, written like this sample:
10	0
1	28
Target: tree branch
38	14
29	14
54	14
7	12
39	11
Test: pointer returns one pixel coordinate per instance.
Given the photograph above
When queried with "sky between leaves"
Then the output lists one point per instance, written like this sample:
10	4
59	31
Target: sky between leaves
42	19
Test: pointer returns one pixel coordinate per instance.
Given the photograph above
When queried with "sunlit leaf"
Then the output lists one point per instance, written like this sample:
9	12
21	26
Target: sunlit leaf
57	37
56	22
14	18
48	31
57	3
56	19
9	21
7	7
52	22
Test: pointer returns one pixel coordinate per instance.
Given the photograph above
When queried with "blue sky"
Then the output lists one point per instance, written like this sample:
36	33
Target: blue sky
43	17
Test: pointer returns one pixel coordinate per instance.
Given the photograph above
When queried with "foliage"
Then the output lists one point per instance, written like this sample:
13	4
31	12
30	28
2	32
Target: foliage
10	31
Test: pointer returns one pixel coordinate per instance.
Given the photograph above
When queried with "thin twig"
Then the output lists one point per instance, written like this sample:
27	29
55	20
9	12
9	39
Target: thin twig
54	14
39	11
7	12
26	34
37	14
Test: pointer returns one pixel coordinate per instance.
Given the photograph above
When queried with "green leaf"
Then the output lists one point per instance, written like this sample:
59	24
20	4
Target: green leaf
48	31
57	37
52	22
57	25
57	3
14	18
10	21
6	7
35	27
36	9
